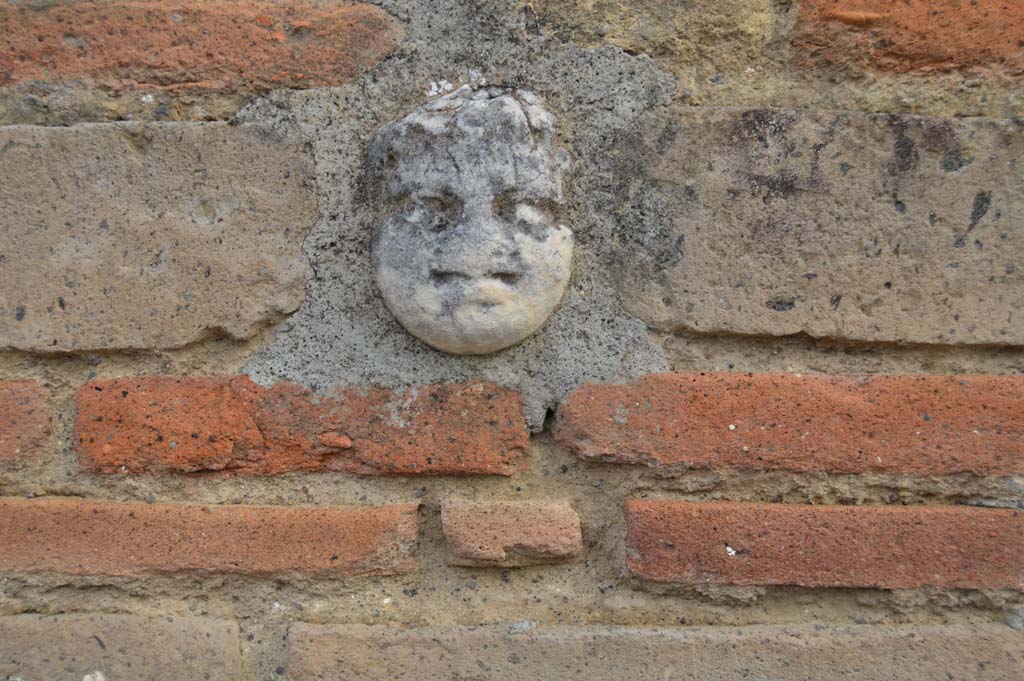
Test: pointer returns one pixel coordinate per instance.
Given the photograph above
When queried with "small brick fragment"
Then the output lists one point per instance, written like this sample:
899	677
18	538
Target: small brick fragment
211	46
74	536
912	35
510	533
904	425
885	547
25	421
230	424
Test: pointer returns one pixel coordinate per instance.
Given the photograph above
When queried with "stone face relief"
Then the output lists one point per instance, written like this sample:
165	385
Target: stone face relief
469	253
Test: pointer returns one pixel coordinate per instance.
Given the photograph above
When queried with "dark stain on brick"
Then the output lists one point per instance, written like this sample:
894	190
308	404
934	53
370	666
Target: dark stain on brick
982	201
904	154
955	160
780	304
763	124
783	184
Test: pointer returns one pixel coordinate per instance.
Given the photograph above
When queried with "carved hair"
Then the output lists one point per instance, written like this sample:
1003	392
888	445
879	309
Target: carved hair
516	117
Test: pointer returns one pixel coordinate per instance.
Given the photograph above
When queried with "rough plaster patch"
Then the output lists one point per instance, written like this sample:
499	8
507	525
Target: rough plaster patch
344	334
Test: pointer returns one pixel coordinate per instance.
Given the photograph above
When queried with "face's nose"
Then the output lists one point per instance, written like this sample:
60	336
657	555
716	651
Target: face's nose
481	245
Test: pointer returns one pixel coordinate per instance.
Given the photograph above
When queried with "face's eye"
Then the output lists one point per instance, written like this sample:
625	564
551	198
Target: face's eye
433	213
533	216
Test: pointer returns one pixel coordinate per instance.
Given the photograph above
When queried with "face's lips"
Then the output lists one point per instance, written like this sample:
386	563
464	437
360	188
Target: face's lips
443	277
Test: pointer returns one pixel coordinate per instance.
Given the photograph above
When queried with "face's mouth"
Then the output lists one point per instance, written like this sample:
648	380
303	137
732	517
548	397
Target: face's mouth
449	277
482	293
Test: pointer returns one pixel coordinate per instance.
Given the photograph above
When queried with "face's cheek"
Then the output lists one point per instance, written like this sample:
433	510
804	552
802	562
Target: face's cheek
547	263
405	248
402	269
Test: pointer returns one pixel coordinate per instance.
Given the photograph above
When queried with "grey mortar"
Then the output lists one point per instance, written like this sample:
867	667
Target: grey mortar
343	334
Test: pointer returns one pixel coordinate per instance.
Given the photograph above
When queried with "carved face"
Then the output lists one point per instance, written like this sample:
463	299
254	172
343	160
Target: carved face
469	253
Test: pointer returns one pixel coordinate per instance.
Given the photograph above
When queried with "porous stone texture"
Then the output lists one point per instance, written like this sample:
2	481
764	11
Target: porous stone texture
695	39
914	35
118	236
888	547
73	536
344	334
510	533
598	653
155	44
114	647
939	57
229	424
468	255
903	425
841	225
25	422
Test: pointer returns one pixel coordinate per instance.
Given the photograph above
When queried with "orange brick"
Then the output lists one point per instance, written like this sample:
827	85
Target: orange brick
911	35
906	425
204	46
80	537
25	421
510	533
230	424
825	546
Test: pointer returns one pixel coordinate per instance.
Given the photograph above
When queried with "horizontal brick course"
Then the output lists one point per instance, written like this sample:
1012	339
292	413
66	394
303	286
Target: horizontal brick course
825	546
25	421
80	537
510	533
906	425
195	46
602	653
912	35
75	647
230	424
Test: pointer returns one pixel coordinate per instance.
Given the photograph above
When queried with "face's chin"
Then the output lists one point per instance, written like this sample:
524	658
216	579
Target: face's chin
485	319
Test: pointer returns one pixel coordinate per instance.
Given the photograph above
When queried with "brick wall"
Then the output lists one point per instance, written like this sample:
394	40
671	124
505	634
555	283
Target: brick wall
775	429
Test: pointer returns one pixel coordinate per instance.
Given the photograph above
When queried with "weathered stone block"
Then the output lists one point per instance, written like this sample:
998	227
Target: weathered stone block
724	35
845	225
564	653
112	647
148	236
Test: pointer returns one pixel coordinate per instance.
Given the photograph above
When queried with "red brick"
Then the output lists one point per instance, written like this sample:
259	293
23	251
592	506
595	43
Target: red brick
80	537
510	533
230	424
911	35
25	421
825	546
909	425
197	46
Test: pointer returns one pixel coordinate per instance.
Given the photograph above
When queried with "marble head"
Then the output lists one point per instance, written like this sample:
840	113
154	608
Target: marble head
469	251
